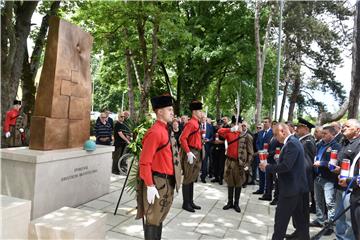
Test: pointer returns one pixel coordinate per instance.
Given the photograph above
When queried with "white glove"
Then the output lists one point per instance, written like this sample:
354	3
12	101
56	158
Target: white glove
190	157
152	192
246	168
21	130
7	134
234	128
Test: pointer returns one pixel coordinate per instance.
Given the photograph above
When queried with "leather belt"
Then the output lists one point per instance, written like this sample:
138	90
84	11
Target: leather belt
163	175
232	159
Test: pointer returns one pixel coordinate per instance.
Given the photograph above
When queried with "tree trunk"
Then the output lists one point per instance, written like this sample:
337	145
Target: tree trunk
293	97
297	79
148	68
260	59
30	68
14	41
131	94
259	92
283	100
180	80
355	73
218	98
326	117
167	79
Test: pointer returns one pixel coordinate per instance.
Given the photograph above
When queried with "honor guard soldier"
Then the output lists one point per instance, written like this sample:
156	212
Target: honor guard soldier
239	156
14	129
190	141
159	169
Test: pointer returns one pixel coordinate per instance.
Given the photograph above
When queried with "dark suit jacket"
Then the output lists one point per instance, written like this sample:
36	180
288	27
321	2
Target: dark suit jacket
309	145
291	169
272	149
261	139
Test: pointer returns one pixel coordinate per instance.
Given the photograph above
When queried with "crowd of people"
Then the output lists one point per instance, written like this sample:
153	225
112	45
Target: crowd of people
300	167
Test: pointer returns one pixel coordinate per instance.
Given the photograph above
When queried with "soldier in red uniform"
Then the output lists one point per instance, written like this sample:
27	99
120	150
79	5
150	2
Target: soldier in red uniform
158	169
239	156
12	134
190	141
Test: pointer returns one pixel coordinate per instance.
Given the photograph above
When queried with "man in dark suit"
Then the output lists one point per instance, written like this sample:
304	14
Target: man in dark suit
293	185
207	135
263	138
303	132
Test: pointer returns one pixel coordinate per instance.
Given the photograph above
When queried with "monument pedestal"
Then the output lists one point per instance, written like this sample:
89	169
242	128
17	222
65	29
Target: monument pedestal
57	178
69	223
14	217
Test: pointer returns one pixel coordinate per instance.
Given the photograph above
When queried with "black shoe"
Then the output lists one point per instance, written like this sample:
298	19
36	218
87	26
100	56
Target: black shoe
315	224
274	202
265	198
258	192
228	206
115	172
203	180
214	180
221	182
230	199
291	236
251	183
186	198
244	186
210	176
237	199
237	208
151	232
328	232
193	205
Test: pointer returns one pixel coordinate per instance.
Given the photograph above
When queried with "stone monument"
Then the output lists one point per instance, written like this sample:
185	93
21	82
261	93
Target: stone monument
62	109
65	174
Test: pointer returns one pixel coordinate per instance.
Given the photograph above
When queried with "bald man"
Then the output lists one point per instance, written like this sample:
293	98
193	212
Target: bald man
292	184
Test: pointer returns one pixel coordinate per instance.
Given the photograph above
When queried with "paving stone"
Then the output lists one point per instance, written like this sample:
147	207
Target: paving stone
211	229
243	235
110	235
114	220
97	204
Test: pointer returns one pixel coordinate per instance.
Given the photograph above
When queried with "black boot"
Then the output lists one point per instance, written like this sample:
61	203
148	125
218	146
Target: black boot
151	232
159	231
230	199
194	206
237	197
186	198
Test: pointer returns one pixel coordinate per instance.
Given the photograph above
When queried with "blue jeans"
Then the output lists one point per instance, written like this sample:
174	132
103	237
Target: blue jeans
343	228
324	189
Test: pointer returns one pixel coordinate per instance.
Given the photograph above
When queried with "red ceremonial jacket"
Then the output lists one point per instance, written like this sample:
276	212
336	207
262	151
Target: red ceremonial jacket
10	119
152	160
194	140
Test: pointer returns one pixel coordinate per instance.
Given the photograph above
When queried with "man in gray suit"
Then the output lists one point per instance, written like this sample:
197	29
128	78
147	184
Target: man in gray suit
293	184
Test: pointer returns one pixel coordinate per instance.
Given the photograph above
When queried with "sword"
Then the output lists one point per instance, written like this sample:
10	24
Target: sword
237	107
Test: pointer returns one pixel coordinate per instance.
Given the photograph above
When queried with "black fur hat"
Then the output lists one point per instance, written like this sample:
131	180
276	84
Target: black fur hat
162	101
233	119
17	102
195	105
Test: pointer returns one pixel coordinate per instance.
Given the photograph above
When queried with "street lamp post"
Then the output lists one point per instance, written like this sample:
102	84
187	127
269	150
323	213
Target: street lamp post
278	59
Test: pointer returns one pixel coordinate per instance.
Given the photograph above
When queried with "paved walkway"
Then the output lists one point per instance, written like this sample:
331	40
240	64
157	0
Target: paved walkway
255	222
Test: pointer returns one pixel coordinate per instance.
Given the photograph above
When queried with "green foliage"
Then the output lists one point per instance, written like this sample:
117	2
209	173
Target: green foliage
135	147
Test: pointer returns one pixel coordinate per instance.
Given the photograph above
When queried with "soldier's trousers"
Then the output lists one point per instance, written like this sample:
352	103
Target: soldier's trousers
234	174
156	213
191	171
